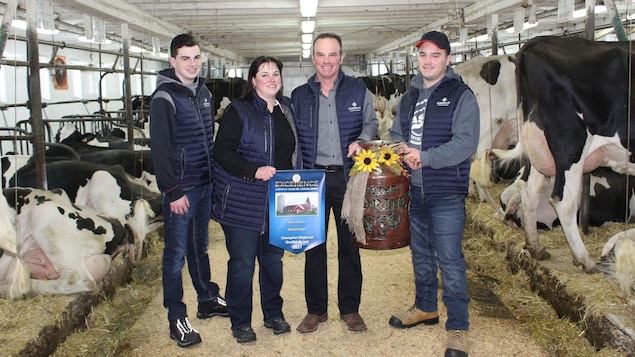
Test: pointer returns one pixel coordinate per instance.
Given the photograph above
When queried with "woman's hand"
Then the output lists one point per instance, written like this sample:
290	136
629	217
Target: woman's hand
265	173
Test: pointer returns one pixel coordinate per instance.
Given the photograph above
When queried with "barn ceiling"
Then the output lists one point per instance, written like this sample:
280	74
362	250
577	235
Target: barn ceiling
239	30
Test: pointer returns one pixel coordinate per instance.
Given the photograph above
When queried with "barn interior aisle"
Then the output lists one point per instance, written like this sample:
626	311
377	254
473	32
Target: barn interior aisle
506	317
387	289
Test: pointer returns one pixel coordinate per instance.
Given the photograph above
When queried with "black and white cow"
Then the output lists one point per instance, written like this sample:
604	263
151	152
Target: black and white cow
493	83
55	246
387	90
576	119
224	90
612	199
69	135
70	175
138	164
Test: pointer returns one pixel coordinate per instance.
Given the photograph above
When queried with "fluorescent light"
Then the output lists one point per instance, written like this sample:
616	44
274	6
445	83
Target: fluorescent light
306	53
308	26
308	8
307	37
306	46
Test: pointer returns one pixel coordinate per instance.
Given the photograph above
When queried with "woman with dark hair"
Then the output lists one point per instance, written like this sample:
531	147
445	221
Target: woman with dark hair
256	137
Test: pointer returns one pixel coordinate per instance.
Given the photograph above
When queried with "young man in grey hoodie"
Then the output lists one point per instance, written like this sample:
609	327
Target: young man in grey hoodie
182	139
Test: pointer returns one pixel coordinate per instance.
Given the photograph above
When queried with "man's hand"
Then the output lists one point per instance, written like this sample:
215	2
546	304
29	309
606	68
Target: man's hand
354	148
412	157
180	206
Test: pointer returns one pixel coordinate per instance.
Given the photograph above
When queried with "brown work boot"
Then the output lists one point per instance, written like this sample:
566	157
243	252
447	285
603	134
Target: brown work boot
354	322
310	322
413	317
457	344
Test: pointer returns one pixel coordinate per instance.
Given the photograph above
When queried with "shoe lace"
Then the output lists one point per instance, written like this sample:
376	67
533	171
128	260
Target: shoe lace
458	335
184	327
221	301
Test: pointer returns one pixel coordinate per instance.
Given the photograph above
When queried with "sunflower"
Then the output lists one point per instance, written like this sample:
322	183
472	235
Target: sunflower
388	157
365	161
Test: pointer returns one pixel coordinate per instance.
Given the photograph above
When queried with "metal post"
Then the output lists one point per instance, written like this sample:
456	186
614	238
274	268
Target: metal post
35	94
125	41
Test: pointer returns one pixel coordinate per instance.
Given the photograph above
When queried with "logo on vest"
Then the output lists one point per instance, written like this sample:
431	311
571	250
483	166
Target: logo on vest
354	108
444	102
206	103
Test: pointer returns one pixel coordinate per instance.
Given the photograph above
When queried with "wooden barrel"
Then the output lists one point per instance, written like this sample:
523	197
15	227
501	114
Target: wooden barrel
386	203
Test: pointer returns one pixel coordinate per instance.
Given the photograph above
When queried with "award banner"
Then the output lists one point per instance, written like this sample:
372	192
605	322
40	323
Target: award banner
296	210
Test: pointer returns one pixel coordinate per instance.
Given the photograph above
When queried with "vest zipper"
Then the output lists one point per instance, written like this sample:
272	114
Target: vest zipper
268	149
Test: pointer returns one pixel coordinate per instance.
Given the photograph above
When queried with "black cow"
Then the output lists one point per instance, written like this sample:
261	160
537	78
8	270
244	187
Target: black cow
576	118
229	88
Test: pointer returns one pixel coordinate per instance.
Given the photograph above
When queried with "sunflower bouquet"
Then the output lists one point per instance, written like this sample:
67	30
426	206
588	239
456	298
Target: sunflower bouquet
370	159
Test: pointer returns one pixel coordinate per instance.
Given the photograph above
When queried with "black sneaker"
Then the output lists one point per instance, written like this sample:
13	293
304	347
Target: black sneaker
244	334
184	334
216	307
278	326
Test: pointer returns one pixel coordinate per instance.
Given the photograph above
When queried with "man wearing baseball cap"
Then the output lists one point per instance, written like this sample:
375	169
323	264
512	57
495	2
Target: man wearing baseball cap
438	123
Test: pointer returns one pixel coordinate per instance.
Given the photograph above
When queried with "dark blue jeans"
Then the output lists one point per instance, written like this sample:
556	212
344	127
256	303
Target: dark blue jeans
244	247
436	231
187	236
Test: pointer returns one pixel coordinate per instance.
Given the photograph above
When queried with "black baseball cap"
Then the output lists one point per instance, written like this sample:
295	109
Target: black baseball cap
436	38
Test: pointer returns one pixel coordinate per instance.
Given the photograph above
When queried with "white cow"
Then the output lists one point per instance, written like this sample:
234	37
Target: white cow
102	194
493	83
56	247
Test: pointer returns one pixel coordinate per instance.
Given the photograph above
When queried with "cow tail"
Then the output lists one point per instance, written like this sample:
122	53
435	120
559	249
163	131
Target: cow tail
19	277
139	224
514	156
20	284
618	262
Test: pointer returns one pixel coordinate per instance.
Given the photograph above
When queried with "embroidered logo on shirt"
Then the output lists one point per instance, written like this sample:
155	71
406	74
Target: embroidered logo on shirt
444	102
206	103
354	107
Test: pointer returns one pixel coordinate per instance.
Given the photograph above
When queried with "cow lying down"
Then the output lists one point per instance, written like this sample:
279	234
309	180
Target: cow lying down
48	245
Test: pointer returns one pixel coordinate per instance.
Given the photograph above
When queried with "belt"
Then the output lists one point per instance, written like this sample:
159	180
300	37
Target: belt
330	168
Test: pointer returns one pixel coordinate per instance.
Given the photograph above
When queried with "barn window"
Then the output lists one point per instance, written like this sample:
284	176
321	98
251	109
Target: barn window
45	83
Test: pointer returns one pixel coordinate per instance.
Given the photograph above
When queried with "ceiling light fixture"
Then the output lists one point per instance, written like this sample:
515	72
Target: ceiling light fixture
306	53
307	37
306	46
308	8
308	26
